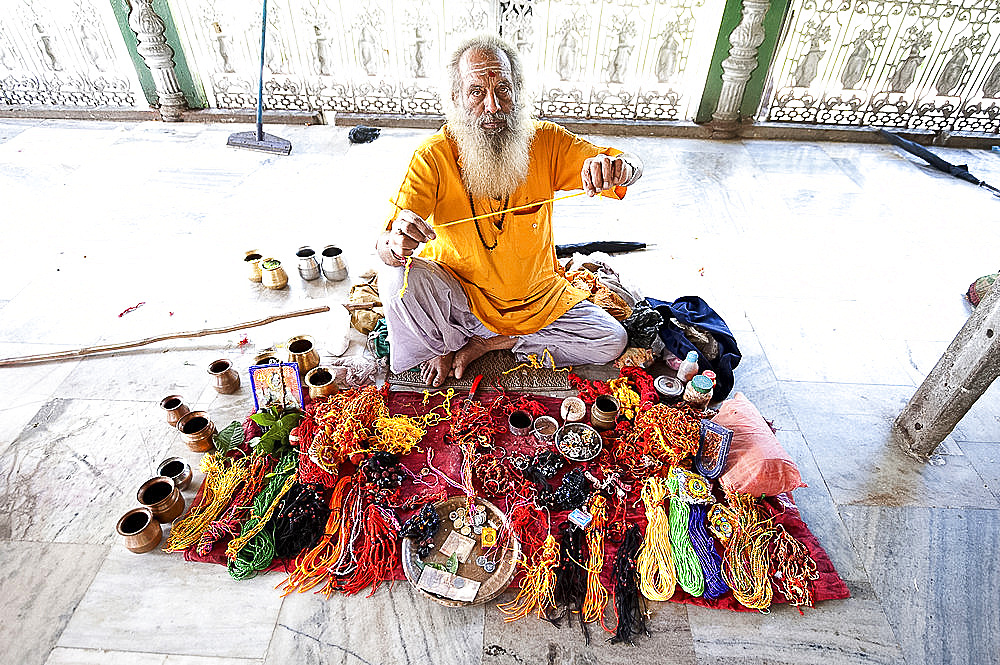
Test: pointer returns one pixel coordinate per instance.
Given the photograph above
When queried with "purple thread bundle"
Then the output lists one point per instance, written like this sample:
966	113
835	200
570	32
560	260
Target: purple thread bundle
704	547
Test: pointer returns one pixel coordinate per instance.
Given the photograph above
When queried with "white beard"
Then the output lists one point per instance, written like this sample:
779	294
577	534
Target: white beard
493	165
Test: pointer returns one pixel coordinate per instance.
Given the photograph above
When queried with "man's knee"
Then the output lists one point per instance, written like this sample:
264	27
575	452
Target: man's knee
612	345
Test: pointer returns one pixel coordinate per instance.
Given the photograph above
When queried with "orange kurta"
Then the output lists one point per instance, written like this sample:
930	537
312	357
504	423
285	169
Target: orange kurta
515	288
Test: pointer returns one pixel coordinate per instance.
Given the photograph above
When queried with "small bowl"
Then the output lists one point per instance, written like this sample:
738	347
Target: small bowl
519	423
589	447
573	409
545	428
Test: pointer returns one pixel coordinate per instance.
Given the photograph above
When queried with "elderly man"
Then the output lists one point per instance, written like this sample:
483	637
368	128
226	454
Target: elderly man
492	282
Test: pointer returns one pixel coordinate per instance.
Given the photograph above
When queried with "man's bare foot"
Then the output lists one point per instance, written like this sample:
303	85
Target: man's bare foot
477	347
434	372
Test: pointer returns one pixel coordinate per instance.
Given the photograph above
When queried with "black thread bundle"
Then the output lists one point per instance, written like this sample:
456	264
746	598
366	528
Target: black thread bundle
704	547
299	521
572	492
570	588
421	529
629	606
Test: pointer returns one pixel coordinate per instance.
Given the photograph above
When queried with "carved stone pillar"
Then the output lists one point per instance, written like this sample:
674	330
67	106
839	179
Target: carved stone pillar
158	56
736	69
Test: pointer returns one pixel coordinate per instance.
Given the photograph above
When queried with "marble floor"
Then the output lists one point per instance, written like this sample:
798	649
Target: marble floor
839	267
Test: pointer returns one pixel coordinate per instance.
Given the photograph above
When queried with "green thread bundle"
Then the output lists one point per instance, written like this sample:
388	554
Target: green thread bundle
258	552
689	574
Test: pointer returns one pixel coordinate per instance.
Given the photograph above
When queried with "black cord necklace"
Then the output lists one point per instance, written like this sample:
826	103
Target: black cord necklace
472	205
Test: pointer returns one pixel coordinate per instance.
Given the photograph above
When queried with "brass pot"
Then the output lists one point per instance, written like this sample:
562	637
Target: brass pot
162	497
253	259
177	470
139	530
272	275
227	379
197	430
175	408
604	412
302	350
267	357
320	382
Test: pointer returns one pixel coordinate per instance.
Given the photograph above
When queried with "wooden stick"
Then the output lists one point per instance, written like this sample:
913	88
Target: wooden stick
88	351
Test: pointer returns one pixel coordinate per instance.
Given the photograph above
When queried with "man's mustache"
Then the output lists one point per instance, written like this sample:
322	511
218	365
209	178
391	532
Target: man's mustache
493	118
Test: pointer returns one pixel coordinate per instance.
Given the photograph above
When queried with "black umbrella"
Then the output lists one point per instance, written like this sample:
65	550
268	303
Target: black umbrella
961	171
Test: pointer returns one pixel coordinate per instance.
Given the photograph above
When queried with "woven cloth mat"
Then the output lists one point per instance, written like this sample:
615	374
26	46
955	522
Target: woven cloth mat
492	366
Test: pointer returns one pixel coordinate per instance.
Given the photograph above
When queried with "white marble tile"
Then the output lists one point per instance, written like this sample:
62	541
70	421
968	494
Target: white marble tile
397	625
41	584
161	604
75	470
934	572
853	630
63	656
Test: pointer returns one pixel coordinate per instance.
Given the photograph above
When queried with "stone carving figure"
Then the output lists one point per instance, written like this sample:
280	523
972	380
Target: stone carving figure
857	63
421	46
952	72
619	61
666	59
274	47
808	66
320	53
991	86
906	71
221	48
44	42
94	46
567	56
368	51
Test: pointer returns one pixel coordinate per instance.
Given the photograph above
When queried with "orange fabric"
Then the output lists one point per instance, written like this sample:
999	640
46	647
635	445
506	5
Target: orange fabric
517	288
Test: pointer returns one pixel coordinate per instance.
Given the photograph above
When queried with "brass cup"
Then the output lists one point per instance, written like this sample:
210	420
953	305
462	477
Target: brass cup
302	350
162	497
253	259
174	408
320	382
139	530
227	379
177	470
196	431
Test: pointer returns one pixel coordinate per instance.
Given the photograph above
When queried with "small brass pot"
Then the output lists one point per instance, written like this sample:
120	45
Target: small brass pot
604	412
272	275
302	350
197	430
162	497
253	259
320	382
267	357
139	530
174	408
227	379
177	470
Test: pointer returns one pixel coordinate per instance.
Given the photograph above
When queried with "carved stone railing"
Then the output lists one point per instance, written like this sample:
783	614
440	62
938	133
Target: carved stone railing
737	68
159	57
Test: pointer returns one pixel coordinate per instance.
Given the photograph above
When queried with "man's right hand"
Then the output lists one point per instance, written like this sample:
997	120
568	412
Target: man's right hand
408	230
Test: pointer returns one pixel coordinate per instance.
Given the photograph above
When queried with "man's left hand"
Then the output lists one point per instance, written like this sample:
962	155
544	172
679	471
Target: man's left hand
603	172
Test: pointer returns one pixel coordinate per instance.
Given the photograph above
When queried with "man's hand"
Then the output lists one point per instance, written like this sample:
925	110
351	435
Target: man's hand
603	172
402	239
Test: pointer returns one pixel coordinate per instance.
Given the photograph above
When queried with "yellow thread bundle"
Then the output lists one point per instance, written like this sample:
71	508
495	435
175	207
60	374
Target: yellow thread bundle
597	596
223	476
745	564
537	586
657	577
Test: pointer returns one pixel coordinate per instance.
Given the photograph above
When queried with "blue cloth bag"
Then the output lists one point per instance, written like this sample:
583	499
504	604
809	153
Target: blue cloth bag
693	311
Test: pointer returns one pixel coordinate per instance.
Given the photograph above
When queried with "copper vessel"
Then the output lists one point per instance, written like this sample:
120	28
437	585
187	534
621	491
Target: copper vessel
177	470
319	381
197	430
272	275
162	497
175	408
302	350
227	379
253	259
139	530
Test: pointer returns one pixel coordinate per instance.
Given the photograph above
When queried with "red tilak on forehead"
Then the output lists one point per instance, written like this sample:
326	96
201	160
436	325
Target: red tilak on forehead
491	73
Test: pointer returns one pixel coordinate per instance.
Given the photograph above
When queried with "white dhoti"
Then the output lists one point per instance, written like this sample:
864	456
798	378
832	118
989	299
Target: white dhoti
433	318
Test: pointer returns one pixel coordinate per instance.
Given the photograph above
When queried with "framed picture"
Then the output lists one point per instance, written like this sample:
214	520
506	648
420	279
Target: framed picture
277	384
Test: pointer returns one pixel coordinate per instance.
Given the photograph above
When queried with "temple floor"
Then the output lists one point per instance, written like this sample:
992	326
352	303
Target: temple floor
840	268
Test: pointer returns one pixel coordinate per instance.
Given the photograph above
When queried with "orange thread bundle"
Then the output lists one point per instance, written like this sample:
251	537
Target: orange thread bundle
745	565
666	433
313	566
793	567
537	586
597	596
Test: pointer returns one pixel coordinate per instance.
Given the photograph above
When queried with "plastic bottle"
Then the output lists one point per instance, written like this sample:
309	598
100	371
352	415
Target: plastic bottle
689	367
698	392
710	374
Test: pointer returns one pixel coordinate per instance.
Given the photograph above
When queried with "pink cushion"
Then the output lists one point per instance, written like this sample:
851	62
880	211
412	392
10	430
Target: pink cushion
757	464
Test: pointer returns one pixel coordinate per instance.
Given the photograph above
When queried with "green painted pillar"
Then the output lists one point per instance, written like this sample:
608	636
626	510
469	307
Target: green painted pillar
731	17
194	94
